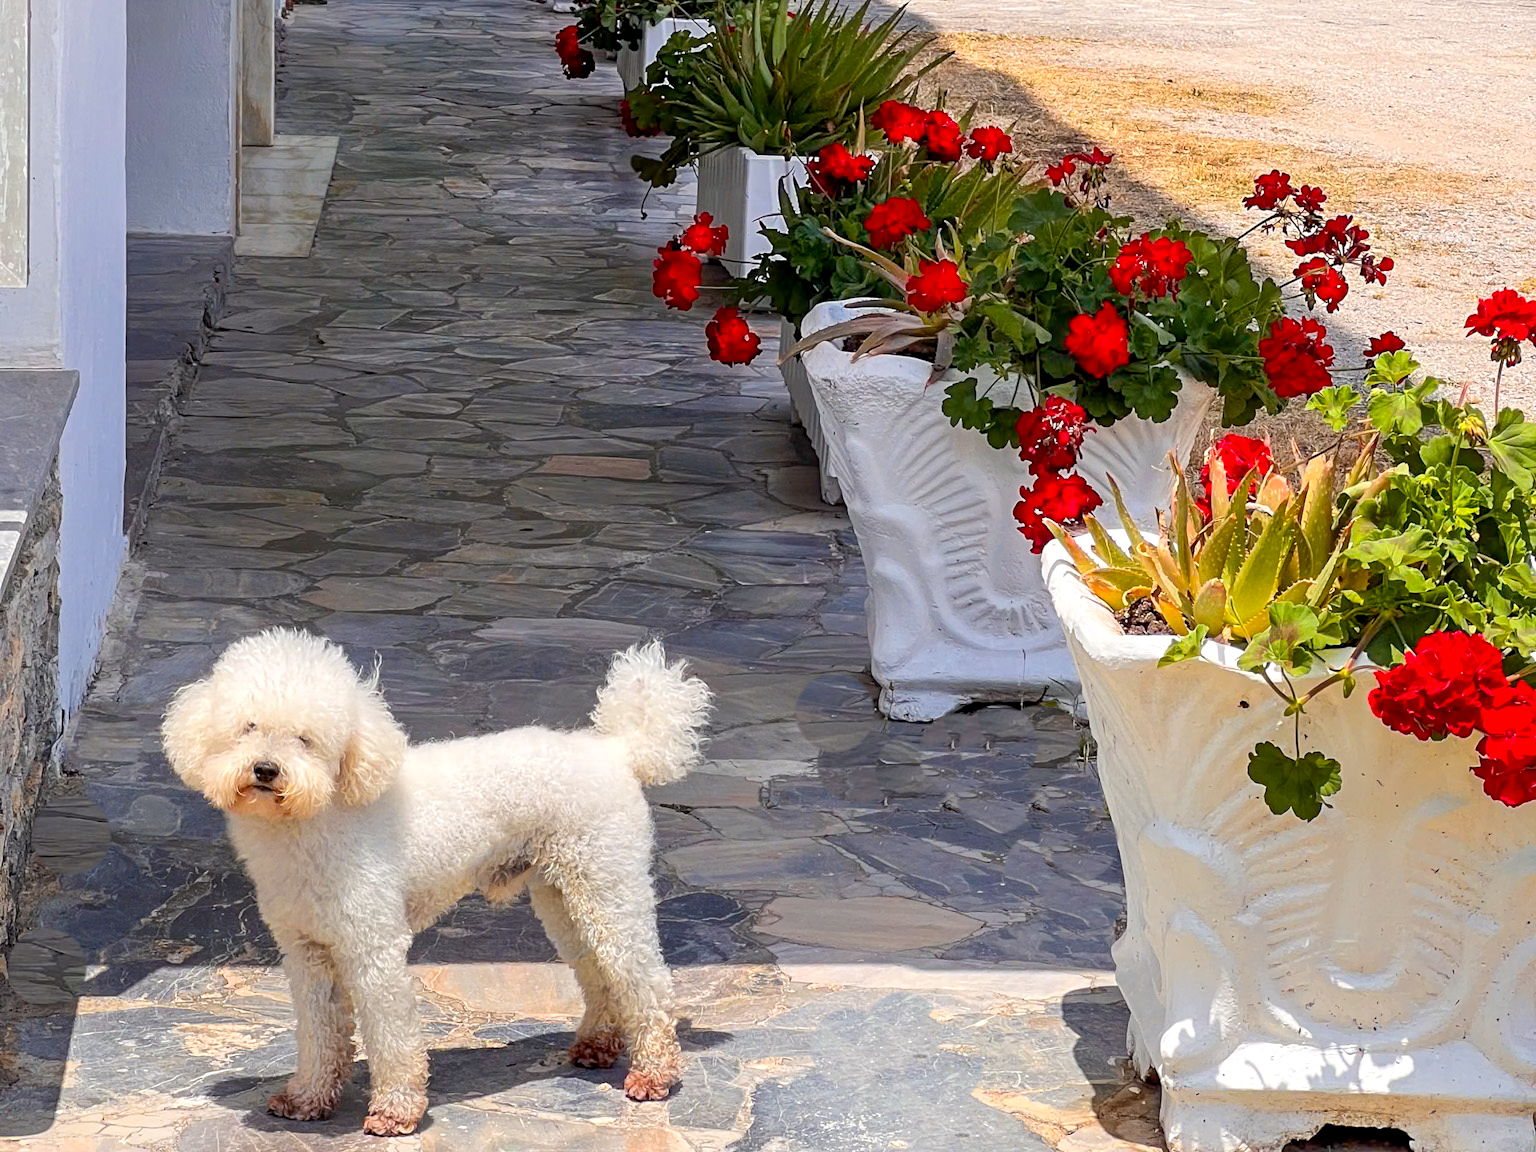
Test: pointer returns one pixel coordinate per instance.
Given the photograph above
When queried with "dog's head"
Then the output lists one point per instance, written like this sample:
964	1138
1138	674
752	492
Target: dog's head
282	727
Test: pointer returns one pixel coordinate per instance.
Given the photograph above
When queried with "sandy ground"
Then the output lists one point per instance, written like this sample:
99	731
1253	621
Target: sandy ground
1416	116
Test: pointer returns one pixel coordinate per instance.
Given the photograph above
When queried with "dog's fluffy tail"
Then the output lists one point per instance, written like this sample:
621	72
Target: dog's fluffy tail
656	709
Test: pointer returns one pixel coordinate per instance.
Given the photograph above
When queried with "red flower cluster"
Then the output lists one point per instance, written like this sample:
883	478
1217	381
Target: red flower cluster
1270	191
1093	176
1296	358
1321	282
1386	342
1152	267
1050	435
936	284
703	237
1508	318
1064	499
1239	455
942	137
1453	684
678	276
988	143
900	122
631	125
835	168
1441	687
1099	343
1507	751
892	220
730	339
574	59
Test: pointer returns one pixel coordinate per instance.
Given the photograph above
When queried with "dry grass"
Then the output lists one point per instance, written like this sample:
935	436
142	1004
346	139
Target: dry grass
1167	132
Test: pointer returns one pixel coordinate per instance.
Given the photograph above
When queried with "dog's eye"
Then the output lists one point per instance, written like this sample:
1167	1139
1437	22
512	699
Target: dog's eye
304	740
250	726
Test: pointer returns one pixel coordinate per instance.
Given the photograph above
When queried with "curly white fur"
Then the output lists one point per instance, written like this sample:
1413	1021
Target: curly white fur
356	841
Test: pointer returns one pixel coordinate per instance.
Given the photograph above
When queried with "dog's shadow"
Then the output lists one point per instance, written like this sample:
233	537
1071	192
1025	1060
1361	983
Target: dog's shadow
457	1074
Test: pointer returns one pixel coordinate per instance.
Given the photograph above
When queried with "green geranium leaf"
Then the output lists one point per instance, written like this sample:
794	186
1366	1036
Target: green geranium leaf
1513	448
1185	647
1292	785
1390	369
1395	413
1333	404
1292	631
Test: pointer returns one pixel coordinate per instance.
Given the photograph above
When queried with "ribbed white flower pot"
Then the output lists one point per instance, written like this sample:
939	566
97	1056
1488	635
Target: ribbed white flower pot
1375	967
633	62
957	609
740	189
802	406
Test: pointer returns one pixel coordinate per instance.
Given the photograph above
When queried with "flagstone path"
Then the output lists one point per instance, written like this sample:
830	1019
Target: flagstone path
463	436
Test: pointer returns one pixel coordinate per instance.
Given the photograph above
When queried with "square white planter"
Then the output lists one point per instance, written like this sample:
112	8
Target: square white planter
802	406
1373	967
634	61
740	189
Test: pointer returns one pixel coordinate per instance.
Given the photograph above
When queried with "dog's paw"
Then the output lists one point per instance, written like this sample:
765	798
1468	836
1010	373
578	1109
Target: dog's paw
300	1105
643	1085
599	1050
390	1123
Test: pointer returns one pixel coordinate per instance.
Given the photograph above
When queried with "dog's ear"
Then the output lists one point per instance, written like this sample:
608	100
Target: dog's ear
185	733
374	751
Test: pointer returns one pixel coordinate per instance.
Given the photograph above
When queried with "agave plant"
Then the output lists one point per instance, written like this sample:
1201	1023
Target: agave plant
788	83
1218	575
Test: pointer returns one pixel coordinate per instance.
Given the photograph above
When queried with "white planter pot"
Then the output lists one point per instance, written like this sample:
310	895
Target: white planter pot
633	62
1374	967
802	406
957	608
740	189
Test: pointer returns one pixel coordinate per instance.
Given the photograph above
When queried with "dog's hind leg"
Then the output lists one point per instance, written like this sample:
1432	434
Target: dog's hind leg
615	914
375	975
325	1035
599	1036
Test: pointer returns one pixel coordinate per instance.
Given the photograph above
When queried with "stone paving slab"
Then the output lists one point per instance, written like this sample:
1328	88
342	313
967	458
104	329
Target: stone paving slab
462	436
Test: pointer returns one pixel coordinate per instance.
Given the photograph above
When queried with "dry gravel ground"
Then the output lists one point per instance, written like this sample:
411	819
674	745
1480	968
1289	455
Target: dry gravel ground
1417	116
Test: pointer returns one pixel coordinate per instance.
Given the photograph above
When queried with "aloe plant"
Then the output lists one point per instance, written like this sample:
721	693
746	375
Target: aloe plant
783	83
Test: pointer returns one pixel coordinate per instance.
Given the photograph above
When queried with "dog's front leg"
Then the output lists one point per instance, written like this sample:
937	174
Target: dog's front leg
325	1035
385	1002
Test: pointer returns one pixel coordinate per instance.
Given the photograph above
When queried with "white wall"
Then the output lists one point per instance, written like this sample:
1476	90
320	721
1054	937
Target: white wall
71	312
183	91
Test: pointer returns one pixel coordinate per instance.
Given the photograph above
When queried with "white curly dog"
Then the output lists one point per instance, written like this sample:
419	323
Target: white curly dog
356	841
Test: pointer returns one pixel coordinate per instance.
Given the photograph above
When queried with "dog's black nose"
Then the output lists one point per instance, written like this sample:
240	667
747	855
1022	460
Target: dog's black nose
265	771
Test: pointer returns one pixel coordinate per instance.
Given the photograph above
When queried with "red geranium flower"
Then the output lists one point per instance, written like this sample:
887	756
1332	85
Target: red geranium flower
702	237
1341	239
1507	751
1239	455
631	125
1050	435
1155	267
892	220
579	66
1064	499
1386	342
1098	158
1269	191
1296	359
834	167
1320	282
568	41
936	284
1310	199
1374	271
730	339
1509	318
941	137
1059	171
677	278
988	143
1441	687
1099	343
900	121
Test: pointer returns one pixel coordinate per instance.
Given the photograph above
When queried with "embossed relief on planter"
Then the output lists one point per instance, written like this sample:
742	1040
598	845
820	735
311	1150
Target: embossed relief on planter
13	143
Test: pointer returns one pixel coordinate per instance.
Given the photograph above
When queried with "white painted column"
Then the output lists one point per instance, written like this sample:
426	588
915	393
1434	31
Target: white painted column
183	115
258	68
69	312
13	142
